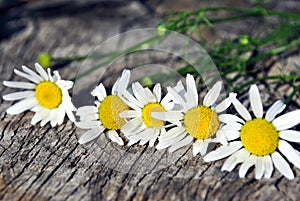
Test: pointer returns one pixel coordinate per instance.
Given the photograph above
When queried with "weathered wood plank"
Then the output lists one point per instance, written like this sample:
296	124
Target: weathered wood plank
47	164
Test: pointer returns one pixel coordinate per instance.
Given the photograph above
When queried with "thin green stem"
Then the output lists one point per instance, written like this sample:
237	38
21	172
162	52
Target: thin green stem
274	77
117	54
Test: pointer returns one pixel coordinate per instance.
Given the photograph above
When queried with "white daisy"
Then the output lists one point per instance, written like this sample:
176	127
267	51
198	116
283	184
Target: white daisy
104	117
200	122
142	127
46	95
259	141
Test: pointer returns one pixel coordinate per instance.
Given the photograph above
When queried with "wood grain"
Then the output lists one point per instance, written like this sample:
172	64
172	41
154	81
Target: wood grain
44	163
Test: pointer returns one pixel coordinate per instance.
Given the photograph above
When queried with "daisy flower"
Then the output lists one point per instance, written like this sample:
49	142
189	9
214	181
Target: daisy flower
142	127
46	95
104	117
260	141
196	122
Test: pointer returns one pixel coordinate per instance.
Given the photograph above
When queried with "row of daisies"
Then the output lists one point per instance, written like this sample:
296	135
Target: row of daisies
140	115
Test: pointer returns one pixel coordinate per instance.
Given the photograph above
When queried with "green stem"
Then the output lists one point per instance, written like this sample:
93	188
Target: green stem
274	51
117	54
290	97
274	77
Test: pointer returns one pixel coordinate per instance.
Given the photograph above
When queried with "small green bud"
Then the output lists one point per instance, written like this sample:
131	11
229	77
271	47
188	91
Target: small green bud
244	40
44	59
161	30
147	82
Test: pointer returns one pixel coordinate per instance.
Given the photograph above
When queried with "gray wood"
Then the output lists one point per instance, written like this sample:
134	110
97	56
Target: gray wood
48	164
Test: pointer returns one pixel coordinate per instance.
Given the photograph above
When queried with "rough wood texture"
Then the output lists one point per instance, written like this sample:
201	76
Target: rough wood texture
48	164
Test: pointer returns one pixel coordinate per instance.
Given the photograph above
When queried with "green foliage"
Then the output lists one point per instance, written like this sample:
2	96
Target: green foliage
238	57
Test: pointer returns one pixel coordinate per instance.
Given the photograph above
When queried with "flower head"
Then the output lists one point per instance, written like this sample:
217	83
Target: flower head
260	141
104	117
142	127
46	95
194	122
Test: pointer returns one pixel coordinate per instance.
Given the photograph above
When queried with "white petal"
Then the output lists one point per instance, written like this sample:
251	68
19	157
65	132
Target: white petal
131	101
41	71
49	74
70	115
39	115
289	152
236	158
152	142
167	116
187	140
255	102
213	94
287	120
65	84
259	167
140	93
282	165
221	137
87	124
18	95
32	73
131	125
130	114
241	109
191	91
275	109
54	118
132	141
231	135
113	135
166	100
86	110
221	107
115	86
172	133
268	166
169	106
203	147
61	116
46	119
230	118
90	135
143	142
223	151
57	78
177	98
157	92
28	77
197	147
22	106
21	85
232	127
147	134
171	137
99	91
250	161
290	135
122	84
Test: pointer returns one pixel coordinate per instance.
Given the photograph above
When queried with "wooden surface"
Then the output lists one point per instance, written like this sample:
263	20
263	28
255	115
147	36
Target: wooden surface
48	164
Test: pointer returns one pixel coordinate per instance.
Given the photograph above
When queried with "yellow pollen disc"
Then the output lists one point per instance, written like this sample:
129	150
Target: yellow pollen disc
109	110
259	137
48	94
146	114
201	122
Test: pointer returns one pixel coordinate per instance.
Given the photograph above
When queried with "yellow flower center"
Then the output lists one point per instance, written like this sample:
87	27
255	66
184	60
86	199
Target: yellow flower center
259	137
201	122
146	114
109	110
48	94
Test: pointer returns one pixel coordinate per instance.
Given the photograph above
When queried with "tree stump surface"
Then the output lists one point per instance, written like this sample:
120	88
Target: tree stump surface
44	163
